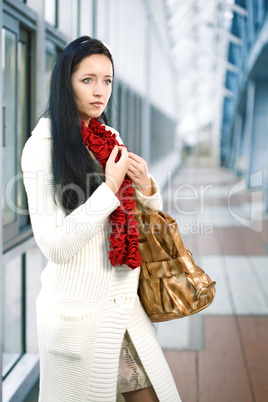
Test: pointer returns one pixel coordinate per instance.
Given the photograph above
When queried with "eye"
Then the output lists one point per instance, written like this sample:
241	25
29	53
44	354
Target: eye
87	80
108	81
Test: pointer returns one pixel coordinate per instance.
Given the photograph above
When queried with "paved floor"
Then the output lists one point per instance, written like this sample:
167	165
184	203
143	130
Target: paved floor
220	354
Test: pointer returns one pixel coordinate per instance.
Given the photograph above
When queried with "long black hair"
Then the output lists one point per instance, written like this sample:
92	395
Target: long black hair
75	173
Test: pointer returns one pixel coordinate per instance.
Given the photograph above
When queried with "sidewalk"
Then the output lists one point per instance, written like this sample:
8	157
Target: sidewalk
221	354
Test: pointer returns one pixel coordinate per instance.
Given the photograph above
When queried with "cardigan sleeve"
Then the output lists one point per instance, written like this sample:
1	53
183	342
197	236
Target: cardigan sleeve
153	201
60	236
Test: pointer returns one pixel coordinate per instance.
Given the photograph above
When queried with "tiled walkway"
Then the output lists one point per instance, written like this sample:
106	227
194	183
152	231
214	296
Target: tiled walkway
221	354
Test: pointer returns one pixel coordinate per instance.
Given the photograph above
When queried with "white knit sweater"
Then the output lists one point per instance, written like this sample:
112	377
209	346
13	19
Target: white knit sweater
85	305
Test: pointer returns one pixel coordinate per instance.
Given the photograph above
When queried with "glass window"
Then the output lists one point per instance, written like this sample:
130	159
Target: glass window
51	13
34	263
71	12
50	61
52	53
12	313
16	116
9	118
23	119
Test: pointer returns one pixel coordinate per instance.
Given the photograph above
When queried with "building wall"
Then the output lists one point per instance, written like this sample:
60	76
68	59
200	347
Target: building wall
245	117
34	32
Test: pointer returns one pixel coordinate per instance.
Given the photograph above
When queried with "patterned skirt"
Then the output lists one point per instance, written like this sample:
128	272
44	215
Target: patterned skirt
131	374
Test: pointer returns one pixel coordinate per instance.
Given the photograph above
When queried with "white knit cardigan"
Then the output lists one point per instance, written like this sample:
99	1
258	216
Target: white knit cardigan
85	305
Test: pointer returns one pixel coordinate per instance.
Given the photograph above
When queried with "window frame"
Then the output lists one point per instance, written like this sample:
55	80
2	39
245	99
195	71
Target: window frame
56	11
17	16
12	233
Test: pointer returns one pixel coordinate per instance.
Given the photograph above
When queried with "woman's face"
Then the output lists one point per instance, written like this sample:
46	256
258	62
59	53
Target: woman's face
92	85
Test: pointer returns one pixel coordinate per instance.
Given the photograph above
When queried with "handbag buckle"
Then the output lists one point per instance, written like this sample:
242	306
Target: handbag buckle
203	294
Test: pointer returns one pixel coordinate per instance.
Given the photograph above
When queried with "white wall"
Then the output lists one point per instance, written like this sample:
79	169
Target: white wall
86	20
137	36
68	18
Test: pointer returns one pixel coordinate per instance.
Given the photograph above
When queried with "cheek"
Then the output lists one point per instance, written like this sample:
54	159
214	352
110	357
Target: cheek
109	92
80	90
80	97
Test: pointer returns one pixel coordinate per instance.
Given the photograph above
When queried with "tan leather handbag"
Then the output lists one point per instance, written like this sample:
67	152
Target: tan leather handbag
171	285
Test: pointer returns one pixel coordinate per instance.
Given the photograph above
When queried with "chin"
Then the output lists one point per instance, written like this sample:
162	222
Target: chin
95	115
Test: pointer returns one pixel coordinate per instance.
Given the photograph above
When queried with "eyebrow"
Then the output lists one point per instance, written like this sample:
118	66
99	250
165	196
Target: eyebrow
94	75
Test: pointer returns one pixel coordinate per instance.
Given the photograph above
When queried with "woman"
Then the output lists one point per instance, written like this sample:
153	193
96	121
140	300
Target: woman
96	341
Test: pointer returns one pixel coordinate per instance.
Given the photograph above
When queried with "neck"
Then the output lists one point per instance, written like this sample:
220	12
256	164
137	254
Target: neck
85	120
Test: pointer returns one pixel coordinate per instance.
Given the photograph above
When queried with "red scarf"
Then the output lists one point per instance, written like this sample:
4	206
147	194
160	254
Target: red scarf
125	234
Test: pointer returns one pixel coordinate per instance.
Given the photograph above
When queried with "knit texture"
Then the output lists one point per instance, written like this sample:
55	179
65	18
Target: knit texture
85	305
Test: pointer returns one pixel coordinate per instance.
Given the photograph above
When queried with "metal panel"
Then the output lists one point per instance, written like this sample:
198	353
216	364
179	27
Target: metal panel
1	230
21	12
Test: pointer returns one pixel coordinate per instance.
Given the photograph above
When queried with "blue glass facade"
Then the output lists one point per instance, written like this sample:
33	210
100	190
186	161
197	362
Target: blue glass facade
244	141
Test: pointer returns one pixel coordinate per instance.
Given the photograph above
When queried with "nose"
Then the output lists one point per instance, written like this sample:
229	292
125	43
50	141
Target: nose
98	89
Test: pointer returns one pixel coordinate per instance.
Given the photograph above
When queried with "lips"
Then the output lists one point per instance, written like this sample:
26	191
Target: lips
97	104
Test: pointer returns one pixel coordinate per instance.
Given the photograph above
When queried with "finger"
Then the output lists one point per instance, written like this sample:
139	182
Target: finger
124	152
115	149
135	164
113	153
131	176
122	149
136	158
134	171
138	164
137	168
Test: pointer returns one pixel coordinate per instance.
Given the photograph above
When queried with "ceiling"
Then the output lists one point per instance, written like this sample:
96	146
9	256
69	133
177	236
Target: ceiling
200	36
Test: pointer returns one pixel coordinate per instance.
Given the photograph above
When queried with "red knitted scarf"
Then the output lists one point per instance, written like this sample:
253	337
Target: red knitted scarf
125	234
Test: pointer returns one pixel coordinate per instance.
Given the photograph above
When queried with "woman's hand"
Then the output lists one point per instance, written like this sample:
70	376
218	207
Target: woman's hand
115	171
138	173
